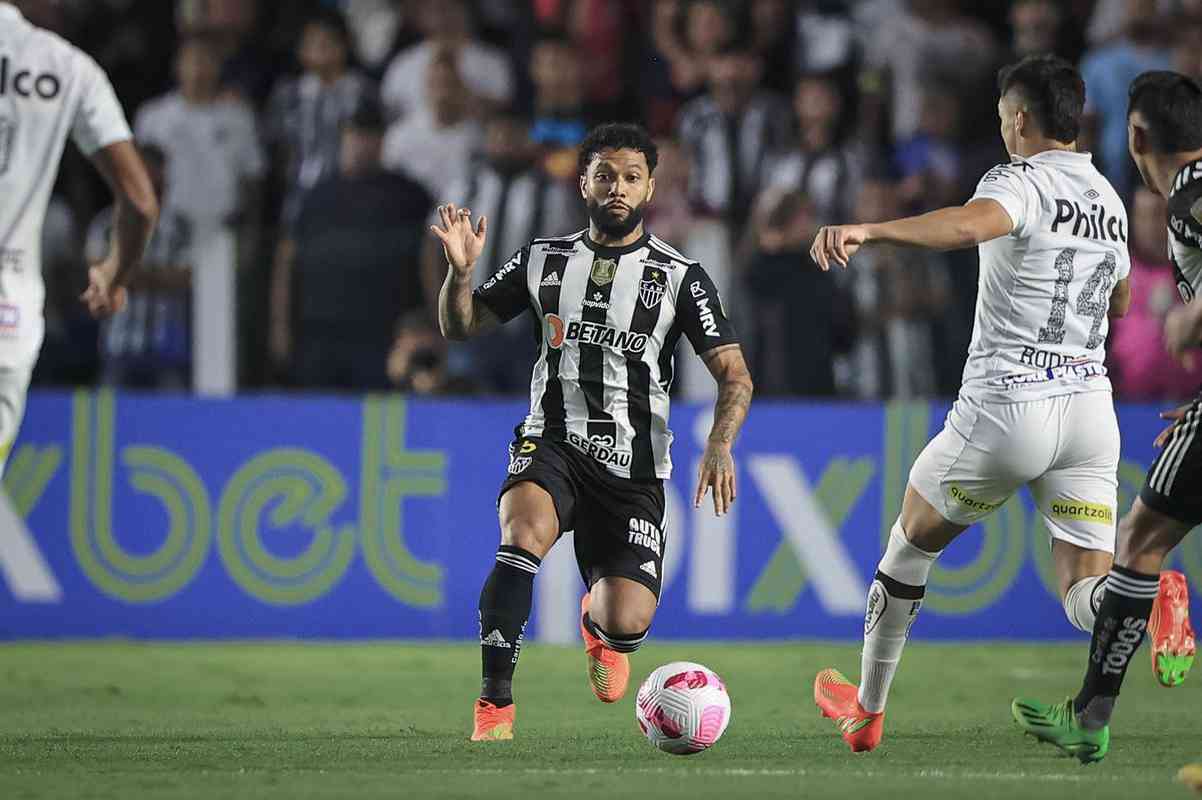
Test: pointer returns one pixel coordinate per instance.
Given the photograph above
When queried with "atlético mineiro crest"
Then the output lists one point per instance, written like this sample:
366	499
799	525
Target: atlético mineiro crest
604	270
651	289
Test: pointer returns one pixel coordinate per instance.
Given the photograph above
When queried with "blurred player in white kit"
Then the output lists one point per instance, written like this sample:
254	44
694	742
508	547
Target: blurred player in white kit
50	89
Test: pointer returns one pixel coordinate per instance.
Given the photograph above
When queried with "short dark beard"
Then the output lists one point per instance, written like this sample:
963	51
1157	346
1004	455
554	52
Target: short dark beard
608	225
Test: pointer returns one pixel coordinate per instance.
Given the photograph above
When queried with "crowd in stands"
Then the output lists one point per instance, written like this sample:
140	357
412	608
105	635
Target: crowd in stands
320	135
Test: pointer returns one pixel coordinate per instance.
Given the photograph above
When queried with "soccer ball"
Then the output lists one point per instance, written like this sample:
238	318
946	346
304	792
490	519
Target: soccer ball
682	708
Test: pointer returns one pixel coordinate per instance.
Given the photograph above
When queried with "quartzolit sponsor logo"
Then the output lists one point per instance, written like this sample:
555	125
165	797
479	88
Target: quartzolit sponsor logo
1082	511
601	449
962	497
558	332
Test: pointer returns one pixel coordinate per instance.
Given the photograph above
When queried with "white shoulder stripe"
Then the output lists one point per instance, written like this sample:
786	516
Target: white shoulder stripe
670	251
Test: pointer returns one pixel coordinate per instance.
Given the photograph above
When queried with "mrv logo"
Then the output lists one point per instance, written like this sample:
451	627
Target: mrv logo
704	313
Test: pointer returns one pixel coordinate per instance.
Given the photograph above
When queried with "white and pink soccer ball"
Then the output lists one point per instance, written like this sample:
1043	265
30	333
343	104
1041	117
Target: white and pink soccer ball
682	708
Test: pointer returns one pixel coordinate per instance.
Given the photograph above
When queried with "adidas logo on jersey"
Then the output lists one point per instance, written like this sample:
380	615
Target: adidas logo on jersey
551	280
495	639
649	568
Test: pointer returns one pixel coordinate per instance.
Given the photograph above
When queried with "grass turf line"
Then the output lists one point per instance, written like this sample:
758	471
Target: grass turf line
115	720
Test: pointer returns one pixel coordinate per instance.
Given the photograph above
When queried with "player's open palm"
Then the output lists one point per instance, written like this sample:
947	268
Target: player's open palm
837	244
460	241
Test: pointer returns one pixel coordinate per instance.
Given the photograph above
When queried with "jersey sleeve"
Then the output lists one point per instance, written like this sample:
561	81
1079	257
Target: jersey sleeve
99	119
505	293
1006	185
700	313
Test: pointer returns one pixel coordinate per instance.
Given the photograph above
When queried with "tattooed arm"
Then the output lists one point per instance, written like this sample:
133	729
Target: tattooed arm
717	470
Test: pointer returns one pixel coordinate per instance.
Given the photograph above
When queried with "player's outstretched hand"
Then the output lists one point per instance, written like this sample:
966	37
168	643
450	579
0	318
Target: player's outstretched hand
1175	415
837	243
716	474
1180	335
101	297
460	242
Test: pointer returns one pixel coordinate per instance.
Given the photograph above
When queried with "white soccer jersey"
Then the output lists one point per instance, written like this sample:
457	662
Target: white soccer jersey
1044	289
49	89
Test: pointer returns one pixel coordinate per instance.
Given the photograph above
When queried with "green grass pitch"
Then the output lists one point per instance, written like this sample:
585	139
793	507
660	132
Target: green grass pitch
126	720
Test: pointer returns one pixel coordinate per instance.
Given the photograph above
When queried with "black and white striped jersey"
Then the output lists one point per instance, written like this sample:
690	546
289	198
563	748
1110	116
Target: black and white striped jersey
1185	229
610	321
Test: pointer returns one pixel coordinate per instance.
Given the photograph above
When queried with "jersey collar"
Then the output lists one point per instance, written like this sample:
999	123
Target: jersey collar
1063	156
614	252
1177	178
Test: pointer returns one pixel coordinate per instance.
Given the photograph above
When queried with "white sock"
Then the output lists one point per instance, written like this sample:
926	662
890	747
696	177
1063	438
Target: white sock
893	603
1082	600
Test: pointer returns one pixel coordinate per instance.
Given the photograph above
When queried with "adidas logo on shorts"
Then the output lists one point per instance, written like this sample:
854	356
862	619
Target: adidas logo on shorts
551	280
649	568
495	639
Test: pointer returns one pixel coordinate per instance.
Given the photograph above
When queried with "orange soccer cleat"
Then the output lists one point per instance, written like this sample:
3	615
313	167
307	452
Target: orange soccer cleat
836	698
1169	629
492	723
608	672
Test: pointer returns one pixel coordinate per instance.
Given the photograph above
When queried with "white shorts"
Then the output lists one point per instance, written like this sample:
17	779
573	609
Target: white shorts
1065	448
14	385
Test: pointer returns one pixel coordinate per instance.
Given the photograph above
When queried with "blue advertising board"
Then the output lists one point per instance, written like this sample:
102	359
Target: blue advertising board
177	517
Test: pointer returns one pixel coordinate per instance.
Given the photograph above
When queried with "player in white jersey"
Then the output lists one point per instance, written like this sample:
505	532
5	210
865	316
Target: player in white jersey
1164	126
1035	408
50	90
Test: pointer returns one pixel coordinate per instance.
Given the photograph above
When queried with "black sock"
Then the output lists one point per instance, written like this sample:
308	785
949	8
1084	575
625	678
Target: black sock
1117	633
505	604
618	642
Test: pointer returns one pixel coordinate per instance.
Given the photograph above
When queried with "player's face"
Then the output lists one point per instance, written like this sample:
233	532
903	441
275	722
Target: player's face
321	49
1136	135
1007	114
616	190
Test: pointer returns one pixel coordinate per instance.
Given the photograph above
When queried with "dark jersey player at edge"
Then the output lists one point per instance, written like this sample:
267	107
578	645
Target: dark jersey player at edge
592	455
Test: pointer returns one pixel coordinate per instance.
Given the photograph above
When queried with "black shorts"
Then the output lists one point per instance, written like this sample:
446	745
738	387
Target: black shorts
618	522
1174	483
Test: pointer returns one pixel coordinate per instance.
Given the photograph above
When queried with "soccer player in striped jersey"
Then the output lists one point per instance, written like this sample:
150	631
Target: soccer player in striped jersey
612	302
1164	129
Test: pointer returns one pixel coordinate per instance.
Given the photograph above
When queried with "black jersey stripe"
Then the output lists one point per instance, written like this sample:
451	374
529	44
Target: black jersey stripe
652	289
554	413
595	308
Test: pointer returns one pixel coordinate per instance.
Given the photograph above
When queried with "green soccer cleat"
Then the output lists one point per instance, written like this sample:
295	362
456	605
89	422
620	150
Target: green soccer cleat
1058	725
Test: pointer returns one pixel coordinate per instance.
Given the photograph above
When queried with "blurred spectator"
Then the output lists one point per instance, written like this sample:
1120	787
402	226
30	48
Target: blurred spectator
670	216
148	345
378	27
434	146
929	162
1187	47
522	202
560	120
446	26
349	271
685	34
728	133
825	36
926	41
213	156
820	166
1108	71
69	355
1142	370
799	319
898	294
771	23
305	114
600	32
1035	28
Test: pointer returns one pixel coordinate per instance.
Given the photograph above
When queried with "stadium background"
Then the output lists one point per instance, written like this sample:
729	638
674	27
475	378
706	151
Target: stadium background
346	489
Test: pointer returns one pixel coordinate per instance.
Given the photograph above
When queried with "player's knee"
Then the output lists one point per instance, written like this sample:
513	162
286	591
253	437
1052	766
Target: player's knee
532	534
628	621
